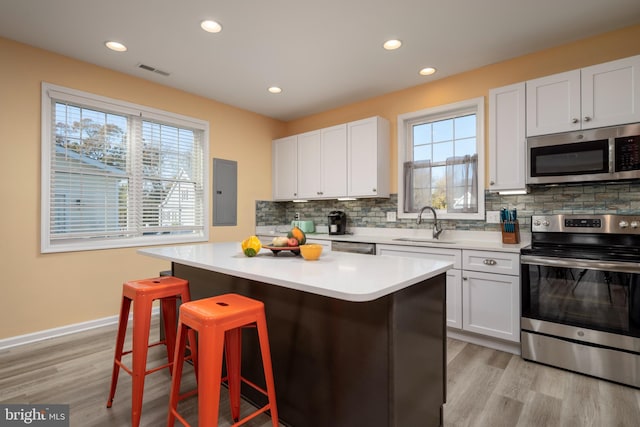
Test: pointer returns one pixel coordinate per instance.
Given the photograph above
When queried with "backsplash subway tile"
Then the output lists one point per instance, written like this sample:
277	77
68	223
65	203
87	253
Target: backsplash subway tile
607	198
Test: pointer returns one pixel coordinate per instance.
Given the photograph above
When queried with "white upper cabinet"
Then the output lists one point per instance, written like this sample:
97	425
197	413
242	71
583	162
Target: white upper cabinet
322	163
611	93
553	103
507	138
333	160
309	164
347	160
368	158
601	95
285	156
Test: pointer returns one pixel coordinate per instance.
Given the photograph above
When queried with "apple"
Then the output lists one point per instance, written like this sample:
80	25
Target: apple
292	241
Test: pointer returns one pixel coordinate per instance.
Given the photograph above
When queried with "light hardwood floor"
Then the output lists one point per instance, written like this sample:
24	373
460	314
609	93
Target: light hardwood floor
485	388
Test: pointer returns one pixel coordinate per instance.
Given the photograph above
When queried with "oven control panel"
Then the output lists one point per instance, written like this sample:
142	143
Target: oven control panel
583	222
602	224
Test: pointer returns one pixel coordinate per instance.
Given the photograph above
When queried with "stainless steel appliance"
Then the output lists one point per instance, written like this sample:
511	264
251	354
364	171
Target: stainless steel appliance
337	222
605	154
354	247
581	295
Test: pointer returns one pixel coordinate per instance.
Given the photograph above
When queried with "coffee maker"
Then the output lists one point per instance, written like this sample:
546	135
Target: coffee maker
337	222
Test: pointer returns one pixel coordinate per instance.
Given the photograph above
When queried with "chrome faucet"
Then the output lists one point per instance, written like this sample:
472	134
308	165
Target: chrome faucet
437	229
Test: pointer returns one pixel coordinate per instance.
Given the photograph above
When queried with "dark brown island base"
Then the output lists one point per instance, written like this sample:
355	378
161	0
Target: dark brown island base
337	362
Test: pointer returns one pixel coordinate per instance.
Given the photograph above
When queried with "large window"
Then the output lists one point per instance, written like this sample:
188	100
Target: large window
116	174
440	153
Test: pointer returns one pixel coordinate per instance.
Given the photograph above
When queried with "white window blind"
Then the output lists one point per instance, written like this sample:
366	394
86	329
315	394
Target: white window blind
116	174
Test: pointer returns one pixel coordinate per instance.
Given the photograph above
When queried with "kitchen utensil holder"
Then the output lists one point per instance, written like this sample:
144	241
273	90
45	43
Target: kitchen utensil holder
513	235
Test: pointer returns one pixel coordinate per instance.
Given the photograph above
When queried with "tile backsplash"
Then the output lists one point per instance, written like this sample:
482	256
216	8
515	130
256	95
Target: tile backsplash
611	198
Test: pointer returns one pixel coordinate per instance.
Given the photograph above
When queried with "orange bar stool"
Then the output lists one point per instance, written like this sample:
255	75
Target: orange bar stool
219	322
142	293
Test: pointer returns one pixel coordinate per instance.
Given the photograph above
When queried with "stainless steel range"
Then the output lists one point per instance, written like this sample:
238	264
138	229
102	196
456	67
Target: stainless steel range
581	295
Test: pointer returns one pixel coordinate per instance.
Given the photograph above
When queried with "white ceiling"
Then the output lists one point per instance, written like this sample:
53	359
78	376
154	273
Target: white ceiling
323	53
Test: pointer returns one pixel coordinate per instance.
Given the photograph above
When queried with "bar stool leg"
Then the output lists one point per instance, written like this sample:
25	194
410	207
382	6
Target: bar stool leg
233	357
208	387
176	374
141	326
168	307
193	346
267	367
122	331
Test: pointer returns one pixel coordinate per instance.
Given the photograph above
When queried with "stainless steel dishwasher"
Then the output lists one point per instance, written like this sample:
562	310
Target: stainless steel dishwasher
354	247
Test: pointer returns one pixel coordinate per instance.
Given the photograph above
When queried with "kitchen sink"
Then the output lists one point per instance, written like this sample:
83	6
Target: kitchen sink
424	240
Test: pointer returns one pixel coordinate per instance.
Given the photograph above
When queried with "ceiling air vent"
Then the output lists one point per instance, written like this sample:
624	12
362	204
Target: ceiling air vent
153	69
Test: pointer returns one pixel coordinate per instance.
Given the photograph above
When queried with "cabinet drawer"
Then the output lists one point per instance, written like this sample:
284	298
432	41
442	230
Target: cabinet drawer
491	262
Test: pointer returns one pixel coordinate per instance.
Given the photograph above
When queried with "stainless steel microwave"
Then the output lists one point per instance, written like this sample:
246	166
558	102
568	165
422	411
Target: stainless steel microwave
604	154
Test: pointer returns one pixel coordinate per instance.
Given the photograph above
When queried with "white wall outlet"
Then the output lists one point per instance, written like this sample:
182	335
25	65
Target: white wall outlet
391	216
493	217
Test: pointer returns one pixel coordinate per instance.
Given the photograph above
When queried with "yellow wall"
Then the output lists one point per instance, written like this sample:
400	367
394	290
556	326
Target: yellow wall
472	84
45	291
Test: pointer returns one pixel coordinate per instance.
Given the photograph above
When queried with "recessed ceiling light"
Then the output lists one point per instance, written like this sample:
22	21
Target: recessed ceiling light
274	89
392	44
427	71
211	26
118	47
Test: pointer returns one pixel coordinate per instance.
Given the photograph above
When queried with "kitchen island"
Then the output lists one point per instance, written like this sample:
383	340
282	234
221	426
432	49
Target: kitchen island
356	340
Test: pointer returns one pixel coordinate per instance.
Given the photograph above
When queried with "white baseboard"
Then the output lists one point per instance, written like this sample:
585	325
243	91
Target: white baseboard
485	341
63	330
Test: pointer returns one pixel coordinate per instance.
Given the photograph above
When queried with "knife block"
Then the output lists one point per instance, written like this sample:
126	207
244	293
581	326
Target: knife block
511	237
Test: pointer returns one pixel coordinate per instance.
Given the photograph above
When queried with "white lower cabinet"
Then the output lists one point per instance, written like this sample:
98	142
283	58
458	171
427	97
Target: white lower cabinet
454	283
454	298
483	288
491	294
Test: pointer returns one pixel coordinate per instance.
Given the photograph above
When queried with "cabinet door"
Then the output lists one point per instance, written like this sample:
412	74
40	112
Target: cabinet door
553	103
454	298
285	158
611	93
491	304
507	138
367	165
334	161
308	165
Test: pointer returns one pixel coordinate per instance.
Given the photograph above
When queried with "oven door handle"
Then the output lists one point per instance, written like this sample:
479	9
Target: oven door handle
623	267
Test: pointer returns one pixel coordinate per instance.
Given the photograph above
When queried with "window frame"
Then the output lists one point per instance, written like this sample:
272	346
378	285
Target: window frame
404	123
53	93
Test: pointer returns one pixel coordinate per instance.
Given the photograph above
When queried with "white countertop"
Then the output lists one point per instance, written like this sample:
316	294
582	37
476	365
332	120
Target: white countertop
345	276
450	239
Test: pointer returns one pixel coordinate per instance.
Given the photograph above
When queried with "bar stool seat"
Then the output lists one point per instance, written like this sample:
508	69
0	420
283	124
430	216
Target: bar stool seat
219	322
142	293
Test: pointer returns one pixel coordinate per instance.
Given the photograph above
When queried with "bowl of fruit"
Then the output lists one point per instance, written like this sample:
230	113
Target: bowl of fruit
291	242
